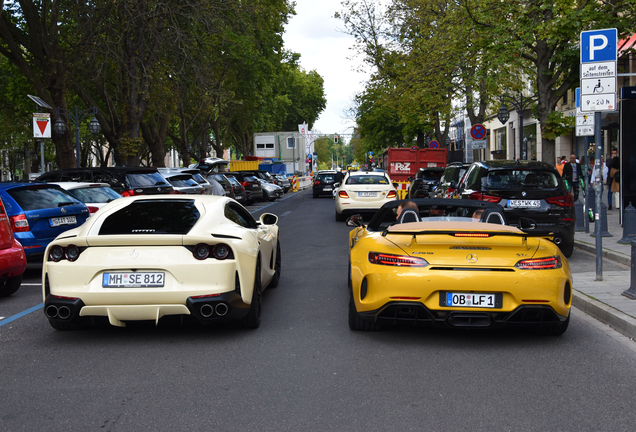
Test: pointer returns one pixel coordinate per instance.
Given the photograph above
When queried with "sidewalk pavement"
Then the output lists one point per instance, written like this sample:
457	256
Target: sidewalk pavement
603	299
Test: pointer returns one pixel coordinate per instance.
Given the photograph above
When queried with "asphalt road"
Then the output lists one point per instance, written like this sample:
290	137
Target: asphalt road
303	369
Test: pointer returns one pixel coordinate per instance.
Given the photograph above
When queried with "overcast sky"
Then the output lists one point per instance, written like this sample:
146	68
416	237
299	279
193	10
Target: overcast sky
318	38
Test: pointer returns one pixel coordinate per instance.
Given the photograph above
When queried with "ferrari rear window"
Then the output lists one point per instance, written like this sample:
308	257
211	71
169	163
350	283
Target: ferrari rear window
152	217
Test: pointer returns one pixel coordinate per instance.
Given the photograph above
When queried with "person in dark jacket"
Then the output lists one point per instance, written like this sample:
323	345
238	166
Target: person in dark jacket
572	173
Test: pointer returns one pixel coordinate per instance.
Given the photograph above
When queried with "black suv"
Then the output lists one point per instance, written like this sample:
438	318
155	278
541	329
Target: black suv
453	174
530	189
253	191
127	181
323	183
425	181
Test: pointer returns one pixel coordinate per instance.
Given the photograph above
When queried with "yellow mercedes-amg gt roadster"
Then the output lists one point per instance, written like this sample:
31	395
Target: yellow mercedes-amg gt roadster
455	263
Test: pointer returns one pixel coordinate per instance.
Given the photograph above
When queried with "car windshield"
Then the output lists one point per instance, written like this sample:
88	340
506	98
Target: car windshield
152	217
436	210
146	179
32	198
95	194
520	179
430	175
367	179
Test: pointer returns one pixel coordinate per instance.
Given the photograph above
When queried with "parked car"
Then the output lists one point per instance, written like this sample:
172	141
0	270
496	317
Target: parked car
123	265
183	183
94	195
271	191
223	181
199	178
252	186
238	190
12	258
126	181
425	182
283	182
451	178
455	264
323	183
525	189
363	191
39	212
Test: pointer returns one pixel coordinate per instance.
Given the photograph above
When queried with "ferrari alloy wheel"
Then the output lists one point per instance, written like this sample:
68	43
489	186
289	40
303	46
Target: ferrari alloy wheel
277	267
10	285
253	318
357	323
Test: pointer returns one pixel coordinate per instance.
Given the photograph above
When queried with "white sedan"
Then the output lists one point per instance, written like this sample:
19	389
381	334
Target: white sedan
146	257
94	195
363	191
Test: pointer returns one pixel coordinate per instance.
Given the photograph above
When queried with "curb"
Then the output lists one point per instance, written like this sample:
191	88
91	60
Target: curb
609	254
616	319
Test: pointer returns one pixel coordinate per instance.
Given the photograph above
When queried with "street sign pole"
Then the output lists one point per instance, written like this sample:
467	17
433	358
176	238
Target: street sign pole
598	177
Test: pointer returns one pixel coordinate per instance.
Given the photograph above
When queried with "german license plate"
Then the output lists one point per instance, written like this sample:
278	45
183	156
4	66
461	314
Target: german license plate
239	197
367	194
133	279
64	220
327	189
524	203
470	300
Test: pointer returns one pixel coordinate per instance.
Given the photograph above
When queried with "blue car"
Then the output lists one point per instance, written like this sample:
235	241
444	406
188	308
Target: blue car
39	213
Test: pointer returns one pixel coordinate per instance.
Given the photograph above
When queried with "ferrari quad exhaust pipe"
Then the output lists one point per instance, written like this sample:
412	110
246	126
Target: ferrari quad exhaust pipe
51	311
206	310
63	312
222	309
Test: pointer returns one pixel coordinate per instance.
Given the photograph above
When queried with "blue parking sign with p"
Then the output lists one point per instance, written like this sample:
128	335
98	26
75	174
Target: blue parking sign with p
599	45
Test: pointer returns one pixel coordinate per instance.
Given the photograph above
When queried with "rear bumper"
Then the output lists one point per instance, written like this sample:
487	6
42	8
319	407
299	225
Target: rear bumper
12	261
416	314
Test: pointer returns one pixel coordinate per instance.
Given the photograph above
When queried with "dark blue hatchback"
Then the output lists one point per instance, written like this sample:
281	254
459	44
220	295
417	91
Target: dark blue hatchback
39	213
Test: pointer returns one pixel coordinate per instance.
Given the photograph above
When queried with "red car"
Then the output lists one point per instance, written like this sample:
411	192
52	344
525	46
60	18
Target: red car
12	257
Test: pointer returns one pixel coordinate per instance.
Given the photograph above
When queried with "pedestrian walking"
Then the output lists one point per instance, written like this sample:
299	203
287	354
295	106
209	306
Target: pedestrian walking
572	173
217	189
559	166
616	185
609	179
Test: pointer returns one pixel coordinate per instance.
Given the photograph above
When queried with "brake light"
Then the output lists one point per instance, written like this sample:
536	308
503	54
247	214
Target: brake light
396	260
482	235
20	223
58	253
562	201
92	209
391	194
206	296
540	264
128	193
484	197
343	194
175	192
317	182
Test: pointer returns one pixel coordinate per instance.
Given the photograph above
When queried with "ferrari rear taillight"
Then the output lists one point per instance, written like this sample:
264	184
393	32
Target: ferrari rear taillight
540	263
484	197
396	260
58	253
562	201
343	194
19	223
128	193
219	251
391	194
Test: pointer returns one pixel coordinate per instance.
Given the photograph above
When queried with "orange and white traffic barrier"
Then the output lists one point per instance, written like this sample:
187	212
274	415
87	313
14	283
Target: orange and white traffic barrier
403	189
294	182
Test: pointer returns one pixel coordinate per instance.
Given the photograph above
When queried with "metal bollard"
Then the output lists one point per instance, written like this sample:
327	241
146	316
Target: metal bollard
629	225
580	217
604	230
631	292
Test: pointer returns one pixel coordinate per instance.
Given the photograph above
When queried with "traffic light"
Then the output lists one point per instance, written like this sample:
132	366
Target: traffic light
335	139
